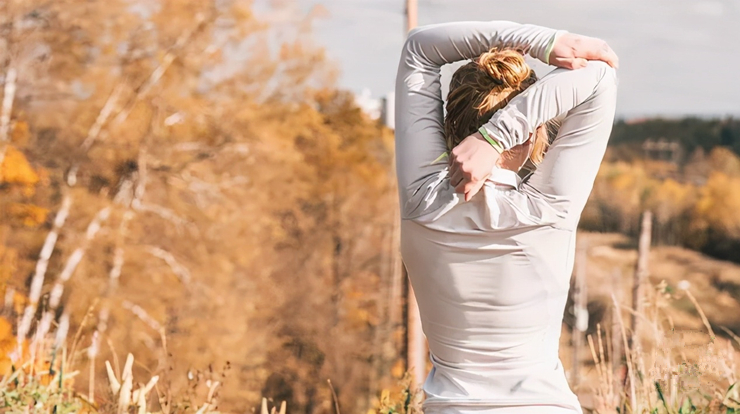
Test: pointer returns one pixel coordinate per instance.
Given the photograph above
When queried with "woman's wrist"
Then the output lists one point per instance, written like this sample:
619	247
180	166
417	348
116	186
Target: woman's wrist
551	45
494	143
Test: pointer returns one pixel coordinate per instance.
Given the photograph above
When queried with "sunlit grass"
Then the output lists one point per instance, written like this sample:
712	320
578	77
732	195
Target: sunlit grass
665	371
40	377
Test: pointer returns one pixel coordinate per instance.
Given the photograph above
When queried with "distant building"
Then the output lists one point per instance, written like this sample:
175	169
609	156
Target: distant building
662	149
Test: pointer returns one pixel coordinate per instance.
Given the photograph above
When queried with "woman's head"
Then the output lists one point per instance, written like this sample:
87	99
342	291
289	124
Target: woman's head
483	86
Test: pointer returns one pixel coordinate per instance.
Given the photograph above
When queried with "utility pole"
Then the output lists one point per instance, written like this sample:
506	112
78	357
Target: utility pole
416	348
411	15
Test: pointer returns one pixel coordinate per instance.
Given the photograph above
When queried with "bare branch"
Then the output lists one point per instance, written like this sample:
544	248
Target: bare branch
37	282
76	257
7	108
163	212
9	295
181	271
160	70
143	315
74	260
11	77
107	110
62	330
125	193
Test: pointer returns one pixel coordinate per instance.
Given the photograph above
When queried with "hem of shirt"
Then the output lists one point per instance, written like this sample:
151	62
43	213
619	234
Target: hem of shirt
502	403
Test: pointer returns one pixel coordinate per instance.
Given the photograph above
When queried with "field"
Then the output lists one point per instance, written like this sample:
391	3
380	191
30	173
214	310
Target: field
677	349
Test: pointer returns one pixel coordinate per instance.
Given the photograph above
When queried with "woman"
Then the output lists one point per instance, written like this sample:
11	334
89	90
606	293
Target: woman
491	274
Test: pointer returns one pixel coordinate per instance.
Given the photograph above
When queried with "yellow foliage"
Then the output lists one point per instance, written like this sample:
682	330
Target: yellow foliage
16	169
7	345
8	262
719	203
626	184
31	215
398	368
723	160
670	198
40	363
404	398
20	133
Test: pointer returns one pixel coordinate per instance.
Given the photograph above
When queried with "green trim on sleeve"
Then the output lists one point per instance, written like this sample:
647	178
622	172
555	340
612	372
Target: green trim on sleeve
551	45
440	158
495	144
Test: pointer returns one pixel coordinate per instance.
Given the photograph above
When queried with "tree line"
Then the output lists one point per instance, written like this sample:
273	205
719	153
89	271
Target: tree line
177	187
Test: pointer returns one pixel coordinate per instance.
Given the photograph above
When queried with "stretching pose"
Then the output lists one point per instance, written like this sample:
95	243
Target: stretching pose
491	271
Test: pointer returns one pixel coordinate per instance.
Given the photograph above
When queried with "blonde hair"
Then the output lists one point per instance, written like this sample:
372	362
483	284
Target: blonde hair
482	87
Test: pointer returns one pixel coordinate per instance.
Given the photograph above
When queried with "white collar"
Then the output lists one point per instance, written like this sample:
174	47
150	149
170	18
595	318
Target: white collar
504	177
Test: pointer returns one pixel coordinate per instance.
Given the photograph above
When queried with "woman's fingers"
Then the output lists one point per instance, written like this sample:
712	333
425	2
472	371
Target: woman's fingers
597	49
471	163
569	63
461	180
572	50
469	186
610	57
456	177
472	189
579	63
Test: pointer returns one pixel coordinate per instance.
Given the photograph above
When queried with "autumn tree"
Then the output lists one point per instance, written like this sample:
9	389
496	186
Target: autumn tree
220	196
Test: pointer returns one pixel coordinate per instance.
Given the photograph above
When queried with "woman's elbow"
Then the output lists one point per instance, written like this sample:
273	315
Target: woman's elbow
608	75
413	43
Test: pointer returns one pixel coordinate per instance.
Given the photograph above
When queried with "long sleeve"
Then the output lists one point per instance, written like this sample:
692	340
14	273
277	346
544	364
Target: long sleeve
419	106
588	99
554	95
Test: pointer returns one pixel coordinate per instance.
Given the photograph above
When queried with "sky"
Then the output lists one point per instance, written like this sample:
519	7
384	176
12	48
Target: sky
677	57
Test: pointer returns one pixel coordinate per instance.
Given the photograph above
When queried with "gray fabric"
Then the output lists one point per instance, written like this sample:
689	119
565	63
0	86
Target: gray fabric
491	275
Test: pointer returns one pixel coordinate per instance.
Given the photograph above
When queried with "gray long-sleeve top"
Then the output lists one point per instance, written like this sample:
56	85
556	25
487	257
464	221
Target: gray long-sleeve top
491	275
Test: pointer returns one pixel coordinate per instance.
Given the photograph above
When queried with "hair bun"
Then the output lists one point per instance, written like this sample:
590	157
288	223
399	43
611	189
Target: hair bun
506	67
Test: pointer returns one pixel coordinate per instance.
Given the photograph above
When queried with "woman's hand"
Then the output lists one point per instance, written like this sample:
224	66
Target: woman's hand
472	161
572	51
477	158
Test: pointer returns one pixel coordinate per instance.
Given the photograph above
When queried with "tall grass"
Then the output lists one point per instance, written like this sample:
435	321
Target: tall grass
661	369
39	375
665	369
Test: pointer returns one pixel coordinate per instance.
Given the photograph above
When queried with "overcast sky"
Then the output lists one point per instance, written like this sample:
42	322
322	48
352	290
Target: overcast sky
677	57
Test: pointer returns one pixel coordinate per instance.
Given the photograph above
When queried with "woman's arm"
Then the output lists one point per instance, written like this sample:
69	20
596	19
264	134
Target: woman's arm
419	115
555	94
587	97
567	173
471	161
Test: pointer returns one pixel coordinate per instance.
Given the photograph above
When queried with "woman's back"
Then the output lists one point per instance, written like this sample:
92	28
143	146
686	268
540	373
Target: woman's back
492	305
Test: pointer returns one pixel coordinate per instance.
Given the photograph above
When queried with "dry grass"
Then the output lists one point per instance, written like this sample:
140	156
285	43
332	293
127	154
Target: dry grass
663	370
675	363
40	377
